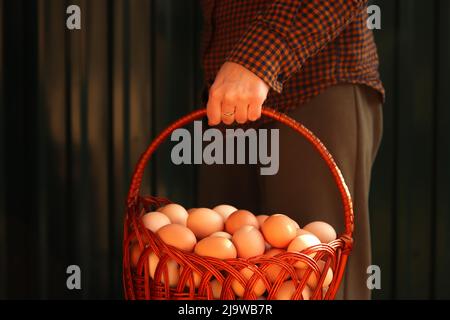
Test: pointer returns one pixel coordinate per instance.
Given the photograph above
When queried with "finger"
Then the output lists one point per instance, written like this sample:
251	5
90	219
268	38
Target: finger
228	108
254	111
228	116
213	108
242	113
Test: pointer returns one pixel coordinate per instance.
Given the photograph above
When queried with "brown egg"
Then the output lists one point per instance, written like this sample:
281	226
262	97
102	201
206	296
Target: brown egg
216	288
301	232
279	230
153	261
176	213
261	218
155	220
274	270
191	209
196	276
178	236
258	288
174	274
301	243
204	222
224	210
321	230
287	290
297	226
172	269
222	234
249	242
216	247
313	280
240	218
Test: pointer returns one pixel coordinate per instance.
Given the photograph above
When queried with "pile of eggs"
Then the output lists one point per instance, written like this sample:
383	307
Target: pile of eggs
225	232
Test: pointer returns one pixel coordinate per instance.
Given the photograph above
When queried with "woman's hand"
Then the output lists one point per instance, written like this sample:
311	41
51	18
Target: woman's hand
236	94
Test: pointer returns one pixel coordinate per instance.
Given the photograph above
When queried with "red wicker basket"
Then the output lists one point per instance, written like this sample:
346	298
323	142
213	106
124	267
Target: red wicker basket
139	285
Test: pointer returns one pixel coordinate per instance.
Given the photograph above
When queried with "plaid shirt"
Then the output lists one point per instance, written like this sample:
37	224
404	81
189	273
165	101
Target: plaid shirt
298	47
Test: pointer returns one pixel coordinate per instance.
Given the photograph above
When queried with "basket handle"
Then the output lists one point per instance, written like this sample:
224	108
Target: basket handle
281	117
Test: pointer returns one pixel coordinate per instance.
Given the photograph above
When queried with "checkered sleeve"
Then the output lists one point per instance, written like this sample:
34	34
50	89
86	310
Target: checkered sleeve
289	32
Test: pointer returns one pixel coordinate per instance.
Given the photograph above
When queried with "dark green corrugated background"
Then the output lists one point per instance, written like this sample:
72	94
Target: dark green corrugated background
78	107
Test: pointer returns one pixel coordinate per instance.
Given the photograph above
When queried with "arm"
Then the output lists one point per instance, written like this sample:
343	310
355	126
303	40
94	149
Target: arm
275	46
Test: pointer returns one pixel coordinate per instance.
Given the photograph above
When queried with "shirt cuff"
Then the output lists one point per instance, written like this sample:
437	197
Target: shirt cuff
267	54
